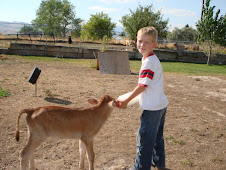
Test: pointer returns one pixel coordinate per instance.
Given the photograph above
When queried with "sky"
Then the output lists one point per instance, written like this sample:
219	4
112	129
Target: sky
179	12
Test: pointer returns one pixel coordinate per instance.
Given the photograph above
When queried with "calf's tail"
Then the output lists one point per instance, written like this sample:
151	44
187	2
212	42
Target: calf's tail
28	111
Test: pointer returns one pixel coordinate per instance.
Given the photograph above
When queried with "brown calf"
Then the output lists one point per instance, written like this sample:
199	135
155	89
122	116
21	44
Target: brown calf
62	122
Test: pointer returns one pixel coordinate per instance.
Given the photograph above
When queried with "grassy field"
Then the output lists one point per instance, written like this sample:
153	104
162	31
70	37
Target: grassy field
194	69
171	67
186	68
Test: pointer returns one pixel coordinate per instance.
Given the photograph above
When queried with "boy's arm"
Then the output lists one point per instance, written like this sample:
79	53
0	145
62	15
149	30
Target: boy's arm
137	90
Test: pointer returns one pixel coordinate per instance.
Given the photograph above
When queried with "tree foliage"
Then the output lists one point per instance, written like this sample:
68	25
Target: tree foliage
27	29
184	34
98	26
220	33
76	28
56	16
211	28
144	16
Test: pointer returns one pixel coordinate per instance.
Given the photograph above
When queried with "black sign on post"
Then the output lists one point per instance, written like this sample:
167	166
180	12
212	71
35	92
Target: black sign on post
34	77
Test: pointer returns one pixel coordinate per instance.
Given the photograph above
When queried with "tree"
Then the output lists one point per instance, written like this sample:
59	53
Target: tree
76	28
142	17
210	28
56	16
27	29
98	26
185	34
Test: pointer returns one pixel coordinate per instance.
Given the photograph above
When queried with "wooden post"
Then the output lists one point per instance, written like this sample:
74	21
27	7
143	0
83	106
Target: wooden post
36	89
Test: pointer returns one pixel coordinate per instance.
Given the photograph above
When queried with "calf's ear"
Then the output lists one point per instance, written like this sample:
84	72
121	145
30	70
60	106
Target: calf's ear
92	101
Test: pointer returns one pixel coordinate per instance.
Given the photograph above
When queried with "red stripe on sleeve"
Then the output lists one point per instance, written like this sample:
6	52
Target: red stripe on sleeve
147	73
144	85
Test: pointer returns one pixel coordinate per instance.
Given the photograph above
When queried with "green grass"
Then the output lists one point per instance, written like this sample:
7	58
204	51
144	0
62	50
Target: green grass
186	162
81	62
4	93
168	67
185	68
3	80
171	138
193	69
217	160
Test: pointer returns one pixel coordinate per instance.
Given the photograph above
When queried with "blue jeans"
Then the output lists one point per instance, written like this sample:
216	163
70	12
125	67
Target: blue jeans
150	141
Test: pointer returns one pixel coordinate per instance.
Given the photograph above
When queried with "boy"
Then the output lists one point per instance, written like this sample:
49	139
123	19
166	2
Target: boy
153	102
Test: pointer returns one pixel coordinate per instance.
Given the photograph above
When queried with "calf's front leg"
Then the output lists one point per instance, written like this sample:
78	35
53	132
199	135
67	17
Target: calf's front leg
82	150
89	149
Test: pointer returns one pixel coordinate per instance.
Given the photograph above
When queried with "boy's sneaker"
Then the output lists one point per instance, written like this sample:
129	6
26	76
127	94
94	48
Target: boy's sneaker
153	165
132	168
128	168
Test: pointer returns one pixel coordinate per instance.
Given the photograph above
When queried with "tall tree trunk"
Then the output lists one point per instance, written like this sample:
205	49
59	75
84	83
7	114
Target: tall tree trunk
209	55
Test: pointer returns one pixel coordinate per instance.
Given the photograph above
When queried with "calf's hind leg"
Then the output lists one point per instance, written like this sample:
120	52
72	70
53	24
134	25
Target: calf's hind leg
26	154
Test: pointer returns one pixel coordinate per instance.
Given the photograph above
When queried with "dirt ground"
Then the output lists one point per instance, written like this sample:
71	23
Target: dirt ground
194	129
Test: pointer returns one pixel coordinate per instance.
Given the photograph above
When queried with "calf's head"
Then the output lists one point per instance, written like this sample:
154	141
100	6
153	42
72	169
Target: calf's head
105	99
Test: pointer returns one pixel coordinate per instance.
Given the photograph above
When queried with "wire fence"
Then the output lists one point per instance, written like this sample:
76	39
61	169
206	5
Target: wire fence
12	33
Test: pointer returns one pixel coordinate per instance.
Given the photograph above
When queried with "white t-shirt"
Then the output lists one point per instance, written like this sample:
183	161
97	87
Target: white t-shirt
151	76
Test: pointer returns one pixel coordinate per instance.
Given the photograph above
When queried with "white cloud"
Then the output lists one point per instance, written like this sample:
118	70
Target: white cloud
105	10
117	21
117	1
159	1
119	24
178	12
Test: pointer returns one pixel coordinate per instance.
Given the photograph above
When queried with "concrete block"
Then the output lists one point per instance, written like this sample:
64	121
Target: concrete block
114	62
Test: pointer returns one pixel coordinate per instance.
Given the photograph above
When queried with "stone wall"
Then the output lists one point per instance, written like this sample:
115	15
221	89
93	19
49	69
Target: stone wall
51	50
185	56
87	53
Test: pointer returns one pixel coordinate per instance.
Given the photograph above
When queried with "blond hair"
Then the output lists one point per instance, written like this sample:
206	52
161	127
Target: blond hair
149	31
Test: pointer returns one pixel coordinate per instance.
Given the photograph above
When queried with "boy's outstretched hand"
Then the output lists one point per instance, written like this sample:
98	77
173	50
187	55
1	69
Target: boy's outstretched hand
123	100
121	104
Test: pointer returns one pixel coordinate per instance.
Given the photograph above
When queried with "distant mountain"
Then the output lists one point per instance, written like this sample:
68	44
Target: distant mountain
11	27
118	29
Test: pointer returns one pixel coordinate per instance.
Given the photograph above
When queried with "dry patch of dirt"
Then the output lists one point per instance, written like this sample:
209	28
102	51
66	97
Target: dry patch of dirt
194	129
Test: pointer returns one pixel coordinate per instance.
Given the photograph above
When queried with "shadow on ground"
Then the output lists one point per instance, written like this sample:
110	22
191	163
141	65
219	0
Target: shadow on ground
57	101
